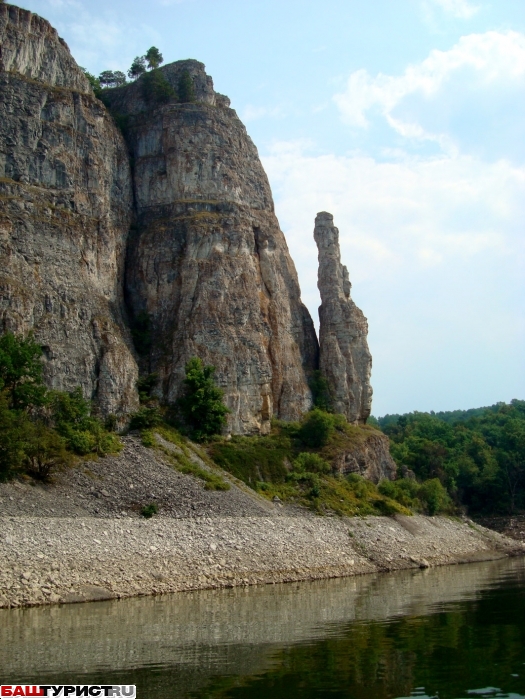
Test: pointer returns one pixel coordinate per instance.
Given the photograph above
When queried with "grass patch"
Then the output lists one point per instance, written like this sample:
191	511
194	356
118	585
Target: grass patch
212	481
255	459
183	463
147	437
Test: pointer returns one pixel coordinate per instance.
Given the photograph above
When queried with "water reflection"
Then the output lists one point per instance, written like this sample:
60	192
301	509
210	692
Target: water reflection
394	635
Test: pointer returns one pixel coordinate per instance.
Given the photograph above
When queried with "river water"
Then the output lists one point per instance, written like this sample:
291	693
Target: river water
452	632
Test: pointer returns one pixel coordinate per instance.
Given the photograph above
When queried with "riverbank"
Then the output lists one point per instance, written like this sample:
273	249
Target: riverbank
82	538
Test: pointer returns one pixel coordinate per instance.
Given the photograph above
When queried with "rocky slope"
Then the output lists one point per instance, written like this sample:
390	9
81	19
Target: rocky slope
82	538
345	359
65	210
208	265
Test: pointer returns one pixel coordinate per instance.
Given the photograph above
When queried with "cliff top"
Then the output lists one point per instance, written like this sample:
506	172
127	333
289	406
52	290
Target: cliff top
133	98
46	58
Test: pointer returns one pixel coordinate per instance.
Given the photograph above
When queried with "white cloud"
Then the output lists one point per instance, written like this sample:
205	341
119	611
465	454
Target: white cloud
478	61
253	113
436	254
457	8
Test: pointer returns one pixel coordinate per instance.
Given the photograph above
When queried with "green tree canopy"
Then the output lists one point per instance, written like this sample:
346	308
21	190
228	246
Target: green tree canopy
138	67
39	428
21	371
185	87
478	455
316	429
320	391
202	404
153	57
112	78
155	88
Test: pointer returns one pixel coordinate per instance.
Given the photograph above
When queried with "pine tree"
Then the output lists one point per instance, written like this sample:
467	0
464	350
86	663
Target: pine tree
153	57
138	67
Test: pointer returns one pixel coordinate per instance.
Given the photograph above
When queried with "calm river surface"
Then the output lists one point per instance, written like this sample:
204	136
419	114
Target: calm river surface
453	632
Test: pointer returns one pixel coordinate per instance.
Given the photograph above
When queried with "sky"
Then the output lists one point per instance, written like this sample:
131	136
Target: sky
405	120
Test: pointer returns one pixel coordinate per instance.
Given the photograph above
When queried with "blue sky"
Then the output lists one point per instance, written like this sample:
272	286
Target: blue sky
405	119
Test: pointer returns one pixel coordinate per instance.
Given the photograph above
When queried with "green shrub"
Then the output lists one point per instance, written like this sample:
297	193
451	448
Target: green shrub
45	451
404	490
111	422
84	434
39	427
21	371
13	430
434	496
70	410
320	391
147	437
316	429
155	88
252	459
202	404
306	461
94	82
145	418
149	510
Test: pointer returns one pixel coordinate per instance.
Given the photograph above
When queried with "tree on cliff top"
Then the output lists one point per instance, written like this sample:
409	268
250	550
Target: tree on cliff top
112	78
202	404
138	67
153	57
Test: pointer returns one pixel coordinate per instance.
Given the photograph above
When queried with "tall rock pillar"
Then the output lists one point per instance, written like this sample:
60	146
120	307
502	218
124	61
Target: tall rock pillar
345	359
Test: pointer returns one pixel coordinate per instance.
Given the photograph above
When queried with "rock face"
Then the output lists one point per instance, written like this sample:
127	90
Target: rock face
65	211
371	459
208	272
169	235
344	357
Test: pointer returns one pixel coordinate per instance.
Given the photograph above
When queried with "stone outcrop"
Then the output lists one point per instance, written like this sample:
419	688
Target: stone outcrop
208	268
370	459
65	211
344	358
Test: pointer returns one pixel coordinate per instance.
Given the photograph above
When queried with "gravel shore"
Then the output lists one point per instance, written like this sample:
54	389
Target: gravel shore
83	538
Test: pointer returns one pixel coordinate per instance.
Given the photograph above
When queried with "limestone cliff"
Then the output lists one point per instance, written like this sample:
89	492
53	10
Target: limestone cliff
65	210
208	267
344	356
167	233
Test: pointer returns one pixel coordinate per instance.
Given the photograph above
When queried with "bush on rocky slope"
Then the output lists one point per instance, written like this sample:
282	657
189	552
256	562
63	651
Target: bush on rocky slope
285	465
40	429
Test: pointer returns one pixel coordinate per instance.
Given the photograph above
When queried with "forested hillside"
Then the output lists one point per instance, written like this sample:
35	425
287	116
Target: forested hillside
478	455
